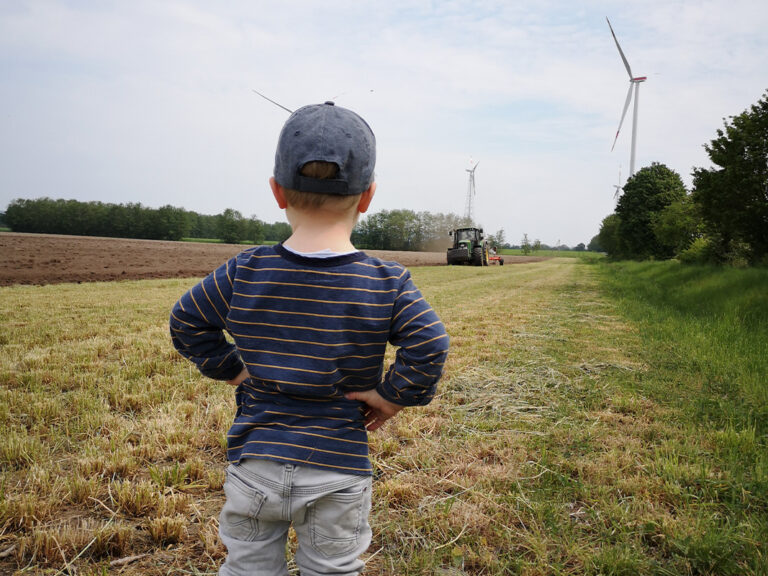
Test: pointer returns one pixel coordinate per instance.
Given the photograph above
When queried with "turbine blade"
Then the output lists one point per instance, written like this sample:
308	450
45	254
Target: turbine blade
621	52
273	102
623	114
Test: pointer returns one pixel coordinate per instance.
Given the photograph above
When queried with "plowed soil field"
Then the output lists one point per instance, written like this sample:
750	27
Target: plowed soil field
51	259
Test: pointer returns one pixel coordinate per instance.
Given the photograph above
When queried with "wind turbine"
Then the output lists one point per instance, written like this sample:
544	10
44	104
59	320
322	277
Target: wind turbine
634	82
618	187
470	194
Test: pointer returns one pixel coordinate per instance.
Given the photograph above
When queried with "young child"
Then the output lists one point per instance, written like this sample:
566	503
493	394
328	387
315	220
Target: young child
310	320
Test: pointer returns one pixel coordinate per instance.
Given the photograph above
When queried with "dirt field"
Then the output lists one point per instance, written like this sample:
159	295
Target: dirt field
50	259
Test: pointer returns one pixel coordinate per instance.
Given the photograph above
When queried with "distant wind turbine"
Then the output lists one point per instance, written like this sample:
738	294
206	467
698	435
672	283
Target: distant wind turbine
634	81
618	187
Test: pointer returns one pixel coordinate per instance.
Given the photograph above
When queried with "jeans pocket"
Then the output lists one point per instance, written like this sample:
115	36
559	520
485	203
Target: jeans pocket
239	515
337	519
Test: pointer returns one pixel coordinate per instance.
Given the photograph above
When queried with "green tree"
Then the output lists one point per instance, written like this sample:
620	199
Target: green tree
17	218
401	231
405	230
172	223
277	231
594	244
648	192
254	230
230	226
525	244
677	225
609	236
733	196
497	240
202	225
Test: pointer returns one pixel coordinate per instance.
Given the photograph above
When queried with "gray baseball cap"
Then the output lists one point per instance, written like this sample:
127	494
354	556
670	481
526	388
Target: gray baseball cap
326	133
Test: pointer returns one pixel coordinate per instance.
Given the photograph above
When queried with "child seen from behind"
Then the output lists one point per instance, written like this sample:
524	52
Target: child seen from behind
310	320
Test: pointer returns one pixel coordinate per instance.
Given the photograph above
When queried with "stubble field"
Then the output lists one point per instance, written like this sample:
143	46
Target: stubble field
567	438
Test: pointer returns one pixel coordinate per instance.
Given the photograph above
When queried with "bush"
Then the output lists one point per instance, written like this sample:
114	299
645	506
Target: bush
701	251
712	250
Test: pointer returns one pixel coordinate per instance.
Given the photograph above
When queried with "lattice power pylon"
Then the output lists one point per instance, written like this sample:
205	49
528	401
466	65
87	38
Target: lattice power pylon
470	195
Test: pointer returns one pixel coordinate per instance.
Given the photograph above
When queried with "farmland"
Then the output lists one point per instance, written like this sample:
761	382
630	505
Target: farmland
593	419
50	259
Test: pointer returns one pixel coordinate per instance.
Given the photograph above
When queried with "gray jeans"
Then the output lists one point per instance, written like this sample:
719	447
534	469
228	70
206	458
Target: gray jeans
328	510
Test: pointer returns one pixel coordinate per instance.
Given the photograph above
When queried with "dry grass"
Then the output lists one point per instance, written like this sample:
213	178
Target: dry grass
539	455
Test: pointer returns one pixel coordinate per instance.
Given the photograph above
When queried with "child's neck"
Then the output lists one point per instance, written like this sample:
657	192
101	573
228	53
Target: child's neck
319	231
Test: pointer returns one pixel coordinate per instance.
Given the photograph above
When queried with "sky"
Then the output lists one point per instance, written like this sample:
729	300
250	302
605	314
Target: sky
152	101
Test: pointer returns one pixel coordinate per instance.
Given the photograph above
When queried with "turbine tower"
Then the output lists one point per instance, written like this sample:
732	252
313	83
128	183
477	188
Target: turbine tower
470	195
634	82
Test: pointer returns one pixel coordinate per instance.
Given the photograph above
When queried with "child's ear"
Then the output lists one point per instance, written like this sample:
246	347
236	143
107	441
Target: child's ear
365	198
278	193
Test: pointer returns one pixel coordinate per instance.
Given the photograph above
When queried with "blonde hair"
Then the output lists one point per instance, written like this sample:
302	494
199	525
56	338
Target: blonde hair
314	201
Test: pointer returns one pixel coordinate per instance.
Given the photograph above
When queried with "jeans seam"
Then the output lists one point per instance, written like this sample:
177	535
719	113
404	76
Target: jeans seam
286	491
334	487
276	486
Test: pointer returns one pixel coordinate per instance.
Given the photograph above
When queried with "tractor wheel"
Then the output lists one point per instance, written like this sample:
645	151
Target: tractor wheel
501	262
456	256
477	257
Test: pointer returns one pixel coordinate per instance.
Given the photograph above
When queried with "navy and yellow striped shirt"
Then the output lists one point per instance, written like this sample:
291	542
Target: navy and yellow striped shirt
308	330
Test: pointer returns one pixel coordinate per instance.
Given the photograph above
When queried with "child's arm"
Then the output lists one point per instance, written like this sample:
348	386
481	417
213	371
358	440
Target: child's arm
197	325
423	347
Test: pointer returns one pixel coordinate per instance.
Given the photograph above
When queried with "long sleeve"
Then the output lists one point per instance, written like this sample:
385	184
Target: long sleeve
198	321
423	347
309	330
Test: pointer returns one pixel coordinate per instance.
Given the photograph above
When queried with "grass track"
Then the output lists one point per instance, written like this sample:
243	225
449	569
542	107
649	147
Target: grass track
584	255
553	448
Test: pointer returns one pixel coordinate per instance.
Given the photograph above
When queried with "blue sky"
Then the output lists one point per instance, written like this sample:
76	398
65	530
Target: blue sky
152	102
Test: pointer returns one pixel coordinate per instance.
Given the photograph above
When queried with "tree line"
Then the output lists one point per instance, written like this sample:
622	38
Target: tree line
132	220
407	230
385	230
723	219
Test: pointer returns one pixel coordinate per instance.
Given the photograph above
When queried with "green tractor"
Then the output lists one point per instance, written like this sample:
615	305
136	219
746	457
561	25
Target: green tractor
468	247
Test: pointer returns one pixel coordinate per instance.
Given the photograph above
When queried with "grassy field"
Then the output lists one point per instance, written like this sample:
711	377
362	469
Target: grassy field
554	253
594	419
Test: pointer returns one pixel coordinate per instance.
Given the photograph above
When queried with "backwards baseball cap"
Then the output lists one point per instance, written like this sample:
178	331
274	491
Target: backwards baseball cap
326	133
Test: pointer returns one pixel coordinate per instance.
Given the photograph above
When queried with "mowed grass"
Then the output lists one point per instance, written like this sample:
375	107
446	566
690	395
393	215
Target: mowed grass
584	255
593	419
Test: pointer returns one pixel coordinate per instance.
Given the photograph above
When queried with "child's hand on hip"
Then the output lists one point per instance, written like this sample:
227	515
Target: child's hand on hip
378	410
239	378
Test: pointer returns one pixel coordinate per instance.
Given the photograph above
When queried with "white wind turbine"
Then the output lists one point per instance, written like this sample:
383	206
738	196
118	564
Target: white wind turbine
634	81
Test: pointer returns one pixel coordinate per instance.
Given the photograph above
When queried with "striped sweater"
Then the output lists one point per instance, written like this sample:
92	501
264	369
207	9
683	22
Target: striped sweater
308	330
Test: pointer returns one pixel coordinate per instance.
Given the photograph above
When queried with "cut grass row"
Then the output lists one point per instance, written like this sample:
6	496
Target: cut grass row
590	422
